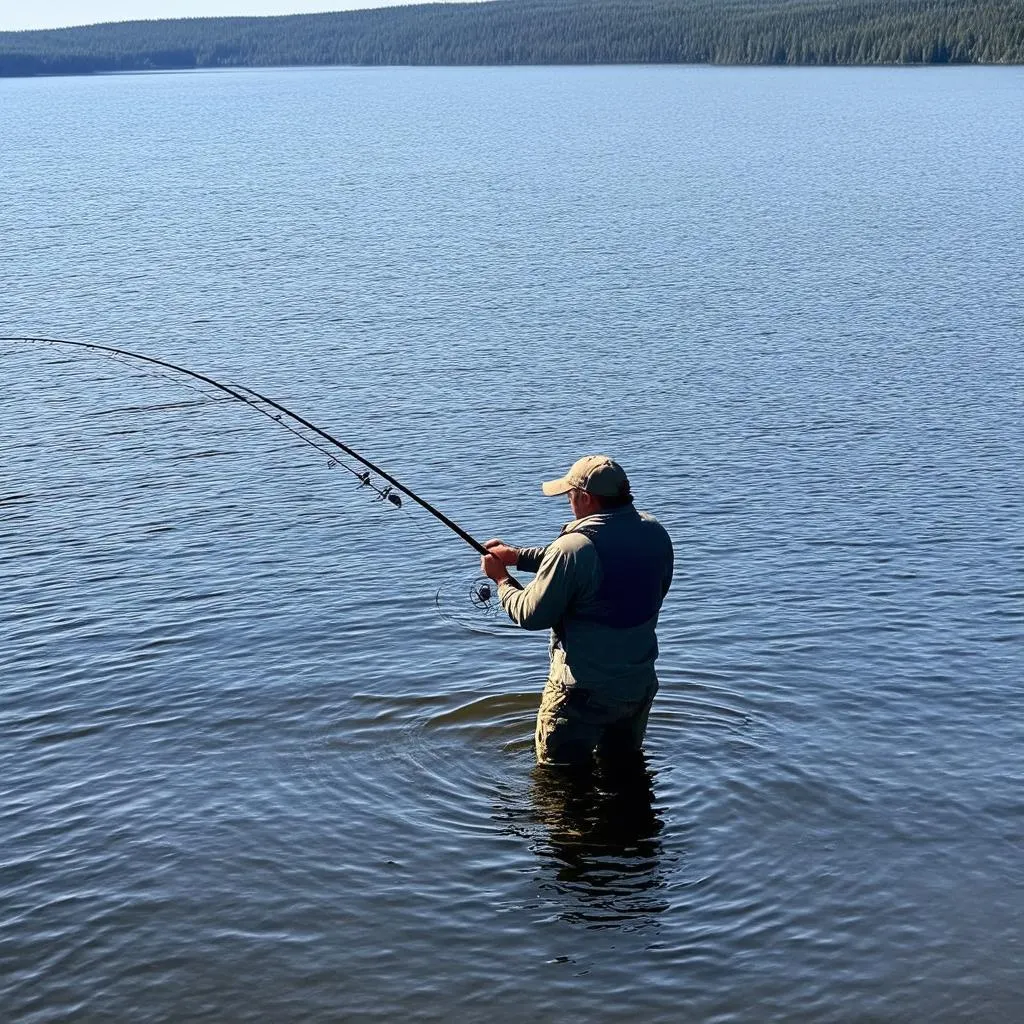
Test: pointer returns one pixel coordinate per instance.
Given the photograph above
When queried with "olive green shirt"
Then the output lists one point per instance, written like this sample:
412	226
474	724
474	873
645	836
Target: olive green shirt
617	662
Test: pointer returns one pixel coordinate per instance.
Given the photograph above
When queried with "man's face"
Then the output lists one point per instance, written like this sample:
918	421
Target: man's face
581	503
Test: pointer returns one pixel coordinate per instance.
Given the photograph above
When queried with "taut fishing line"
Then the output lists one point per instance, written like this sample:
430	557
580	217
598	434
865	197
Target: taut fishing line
470	602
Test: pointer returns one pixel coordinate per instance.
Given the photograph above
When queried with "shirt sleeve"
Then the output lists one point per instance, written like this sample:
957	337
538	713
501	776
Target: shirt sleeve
530	558
544	601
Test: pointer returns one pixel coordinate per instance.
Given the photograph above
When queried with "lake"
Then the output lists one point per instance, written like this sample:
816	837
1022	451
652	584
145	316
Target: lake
261	758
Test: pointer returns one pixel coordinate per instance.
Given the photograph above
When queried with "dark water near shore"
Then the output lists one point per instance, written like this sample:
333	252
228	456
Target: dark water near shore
250	773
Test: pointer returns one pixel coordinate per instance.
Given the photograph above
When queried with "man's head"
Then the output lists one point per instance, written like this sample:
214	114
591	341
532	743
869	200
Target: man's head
594	484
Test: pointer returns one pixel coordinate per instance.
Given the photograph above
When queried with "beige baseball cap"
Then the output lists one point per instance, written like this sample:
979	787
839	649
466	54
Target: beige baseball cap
595	474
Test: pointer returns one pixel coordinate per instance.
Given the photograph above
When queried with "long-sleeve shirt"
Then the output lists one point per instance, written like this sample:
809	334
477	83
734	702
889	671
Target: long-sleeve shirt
618	662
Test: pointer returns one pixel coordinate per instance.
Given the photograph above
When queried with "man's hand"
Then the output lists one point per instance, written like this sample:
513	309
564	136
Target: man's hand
499	555
494	568
507	554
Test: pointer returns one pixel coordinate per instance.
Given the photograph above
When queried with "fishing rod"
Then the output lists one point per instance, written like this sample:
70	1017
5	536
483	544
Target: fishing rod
250	397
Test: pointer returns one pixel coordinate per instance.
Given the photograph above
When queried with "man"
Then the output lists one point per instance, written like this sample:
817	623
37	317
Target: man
598	588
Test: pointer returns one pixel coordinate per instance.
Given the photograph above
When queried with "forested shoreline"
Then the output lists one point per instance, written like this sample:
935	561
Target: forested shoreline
795	32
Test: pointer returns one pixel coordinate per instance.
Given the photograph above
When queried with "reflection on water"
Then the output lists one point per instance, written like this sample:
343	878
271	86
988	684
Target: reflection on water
602	840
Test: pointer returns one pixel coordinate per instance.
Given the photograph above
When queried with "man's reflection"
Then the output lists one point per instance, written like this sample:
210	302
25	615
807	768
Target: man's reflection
602	832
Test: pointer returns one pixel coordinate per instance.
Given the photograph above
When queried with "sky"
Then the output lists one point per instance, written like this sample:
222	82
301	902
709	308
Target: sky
24	14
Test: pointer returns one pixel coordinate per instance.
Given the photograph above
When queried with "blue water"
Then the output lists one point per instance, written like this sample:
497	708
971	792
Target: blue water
251	772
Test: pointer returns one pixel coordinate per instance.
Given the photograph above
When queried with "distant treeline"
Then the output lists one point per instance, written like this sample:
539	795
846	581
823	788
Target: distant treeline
547	32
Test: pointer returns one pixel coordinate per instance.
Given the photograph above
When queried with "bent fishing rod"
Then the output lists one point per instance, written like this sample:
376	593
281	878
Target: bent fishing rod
250	397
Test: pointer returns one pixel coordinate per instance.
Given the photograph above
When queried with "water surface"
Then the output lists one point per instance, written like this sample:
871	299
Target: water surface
250	773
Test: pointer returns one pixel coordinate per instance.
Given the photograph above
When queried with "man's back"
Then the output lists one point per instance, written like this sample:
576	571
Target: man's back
599	587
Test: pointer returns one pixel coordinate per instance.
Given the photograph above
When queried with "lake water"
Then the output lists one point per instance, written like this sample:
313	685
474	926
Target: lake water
249	770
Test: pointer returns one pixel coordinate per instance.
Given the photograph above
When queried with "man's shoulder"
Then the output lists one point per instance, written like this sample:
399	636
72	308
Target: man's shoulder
572	550
571	541
653	523
647	517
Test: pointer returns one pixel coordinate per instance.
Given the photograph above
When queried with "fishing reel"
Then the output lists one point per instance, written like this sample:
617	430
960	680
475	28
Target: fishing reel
472	603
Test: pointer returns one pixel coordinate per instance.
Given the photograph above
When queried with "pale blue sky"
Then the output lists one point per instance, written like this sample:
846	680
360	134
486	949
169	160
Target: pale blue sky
22	14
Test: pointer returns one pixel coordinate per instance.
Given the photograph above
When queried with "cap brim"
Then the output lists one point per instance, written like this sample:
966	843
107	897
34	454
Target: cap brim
552	488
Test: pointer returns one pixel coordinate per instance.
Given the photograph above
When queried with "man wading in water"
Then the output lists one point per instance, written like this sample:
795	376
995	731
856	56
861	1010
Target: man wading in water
598	588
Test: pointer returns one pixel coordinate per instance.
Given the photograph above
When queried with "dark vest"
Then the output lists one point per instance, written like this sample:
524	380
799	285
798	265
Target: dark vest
634	553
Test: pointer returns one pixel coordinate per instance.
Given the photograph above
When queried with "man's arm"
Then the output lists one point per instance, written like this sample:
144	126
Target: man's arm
527	559
542	604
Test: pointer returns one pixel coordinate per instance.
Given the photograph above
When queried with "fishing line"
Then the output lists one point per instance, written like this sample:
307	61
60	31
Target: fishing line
481	593
332	460
156	373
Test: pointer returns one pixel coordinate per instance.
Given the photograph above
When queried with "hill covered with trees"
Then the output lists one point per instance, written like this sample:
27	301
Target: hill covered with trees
546	32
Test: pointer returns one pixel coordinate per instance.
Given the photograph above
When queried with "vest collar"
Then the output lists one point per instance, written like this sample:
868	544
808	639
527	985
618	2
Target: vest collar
599	518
